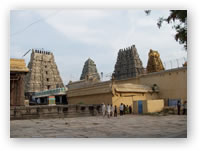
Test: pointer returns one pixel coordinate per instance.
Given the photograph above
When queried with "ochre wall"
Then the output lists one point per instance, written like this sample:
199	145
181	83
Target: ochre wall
92	99
125	100
149	106
172	83
154	106
128	100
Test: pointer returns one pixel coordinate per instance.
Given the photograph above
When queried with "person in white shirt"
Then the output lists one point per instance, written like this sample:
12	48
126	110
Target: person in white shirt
103	109
108	110
121	108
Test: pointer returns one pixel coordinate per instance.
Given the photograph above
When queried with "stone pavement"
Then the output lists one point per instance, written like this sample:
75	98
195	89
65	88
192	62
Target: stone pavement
128	126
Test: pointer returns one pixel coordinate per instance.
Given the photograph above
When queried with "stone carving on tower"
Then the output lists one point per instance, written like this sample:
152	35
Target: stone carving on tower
128	64
89	71
154	62
44	74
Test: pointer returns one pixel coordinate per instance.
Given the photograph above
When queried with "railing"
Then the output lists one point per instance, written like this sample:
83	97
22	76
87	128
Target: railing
176	63
50	92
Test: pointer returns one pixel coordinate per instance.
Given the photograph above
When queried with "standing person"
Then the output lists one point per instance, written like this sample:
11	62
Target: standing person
185	108
112	110
108	110
130	109
121	108
124	109
103	109
115	112
127	109
179	107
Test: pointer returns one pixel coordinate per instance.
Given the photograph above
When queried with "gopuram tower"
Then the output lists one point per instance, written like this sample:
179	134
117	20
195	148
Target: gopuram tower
43	73
128	64
154	62
89	71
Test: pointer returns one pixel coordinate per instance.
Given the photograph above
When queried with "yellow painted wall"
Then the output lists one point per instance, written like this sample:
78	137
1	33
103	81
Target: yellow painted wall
172	83
153	106
128	100
125	100
135	107
149	106
92	99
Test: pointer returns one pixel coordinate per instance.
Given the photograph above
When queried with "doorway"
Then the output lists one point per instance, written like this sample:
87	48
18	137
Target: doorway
140	107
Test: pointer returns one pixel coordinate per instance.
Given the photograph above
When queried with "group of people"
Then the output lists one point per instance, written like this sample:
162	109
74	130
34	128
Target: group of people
125	109
111	110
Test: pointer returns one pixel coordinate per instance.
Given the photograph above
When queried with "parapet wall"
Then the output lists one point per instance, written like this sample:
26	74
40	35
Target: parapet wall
57	111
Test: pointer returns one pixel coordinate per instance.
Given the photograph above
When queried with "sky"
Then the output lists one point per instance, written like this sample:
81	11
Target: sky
74	35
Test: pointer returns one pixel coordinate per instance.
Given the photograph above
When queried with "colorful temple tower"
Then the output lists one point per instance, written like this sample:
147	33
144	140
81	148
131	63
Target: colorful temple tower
154	62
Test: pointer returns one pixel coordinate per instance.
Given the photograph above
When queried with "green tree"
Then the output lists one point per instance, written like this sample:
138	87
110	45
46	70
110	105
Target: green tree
179	18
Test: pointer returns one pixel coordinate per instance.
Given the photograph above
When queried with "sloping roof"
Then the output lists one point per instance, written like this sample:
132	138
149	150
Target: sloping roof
106	87
129	87
18	65
90	89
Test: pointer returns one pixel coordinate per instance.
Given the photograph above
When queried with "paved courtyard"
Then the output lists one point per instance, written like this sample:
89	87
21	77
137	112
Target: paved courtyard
128	126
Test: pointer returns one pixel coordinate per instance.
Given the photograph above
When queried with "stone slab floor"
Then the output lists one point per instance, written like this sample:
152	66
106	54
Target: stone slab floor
128	126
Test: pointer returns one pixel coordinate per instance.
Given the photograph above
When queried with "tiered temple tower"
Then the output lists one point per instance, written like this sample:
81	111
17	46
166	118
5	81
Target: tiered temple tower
128	64
154	62
89	71
43	73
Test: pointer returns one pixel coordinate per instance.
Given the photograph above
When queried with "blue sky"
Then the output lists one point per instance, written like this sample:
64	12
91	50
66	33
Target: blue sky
74	35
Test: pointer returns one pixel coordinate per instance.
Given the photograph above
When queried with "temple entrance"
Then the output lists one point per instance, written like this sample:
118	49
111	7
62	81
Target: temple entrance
140	107
61	99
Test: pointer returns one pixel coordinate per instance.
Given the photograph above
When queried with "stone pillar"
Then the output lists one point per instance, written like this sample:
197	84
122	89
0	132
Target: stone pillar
12	92
21	87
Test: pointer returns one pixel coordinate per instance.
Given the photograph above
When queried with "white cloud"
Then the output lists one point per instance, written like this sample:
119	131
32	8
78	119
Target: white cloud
74	24
107	31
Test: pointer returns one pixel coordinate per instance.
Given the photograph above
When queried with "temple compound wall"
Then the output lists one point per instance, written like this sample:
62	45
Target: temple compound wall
110	93
90	93
58	111
148	88
172	83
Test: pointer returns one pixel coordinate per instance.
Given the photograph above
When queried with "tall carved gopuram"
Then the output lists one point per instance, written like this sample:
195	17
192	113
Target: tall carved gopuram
128	64
89	71
154	62
43	72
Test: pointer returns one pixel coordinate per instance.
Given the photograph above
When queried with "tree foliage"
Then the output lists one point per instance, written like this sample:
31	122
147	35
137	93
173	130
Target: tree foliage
179	18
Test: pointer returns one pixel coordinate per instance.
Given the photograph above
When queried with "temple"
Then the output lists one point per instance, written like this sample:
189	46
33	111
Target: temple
43	75
128	64
154	62
18	70
89	71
